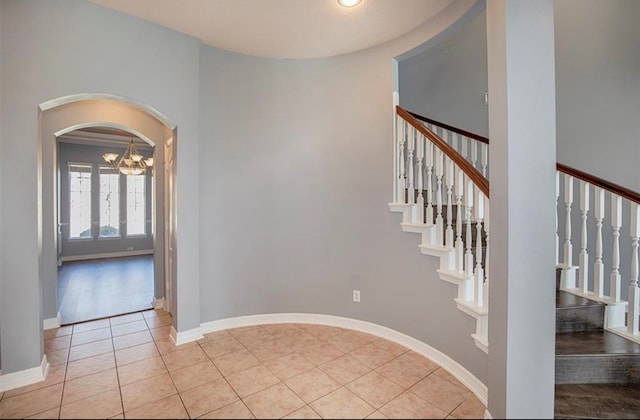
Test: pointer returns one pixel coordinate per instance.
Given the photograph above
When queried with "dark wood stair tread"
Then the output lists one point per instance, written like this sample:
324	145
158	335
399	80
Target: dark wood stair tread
597	401
569	300
594	343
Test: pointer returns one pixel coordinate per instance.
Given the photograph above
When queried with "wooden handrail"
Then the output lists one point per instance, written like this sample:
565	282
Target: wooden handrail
594	180
599	182
451	128
474	175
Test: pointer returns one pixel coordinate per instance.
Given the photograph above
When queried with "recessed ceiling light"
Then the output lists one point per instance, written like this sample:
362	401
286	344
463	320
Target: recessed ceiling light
348	3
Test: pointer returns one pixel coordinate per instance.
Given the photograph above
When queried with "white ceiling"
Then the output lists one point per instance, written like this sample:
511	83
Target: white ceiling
285	28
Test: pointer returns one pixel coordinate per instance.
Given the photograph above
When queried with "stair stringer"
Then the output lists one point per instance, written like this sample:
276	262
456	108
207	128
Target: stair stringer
446	272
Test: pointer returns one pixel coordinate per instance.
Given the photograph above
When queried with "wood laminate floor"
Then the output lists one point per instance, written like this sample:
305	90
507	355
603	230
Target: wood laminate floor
96	289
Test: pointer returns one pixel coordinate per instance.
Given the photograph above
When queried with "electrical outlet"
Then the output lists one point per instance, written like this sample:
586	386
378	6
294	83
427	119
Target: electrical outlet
129	248
356	296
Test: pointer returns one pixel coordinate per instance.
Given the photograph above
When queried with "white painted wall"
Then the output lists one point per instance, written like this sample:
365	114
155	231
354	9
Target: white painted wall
43	57
294	210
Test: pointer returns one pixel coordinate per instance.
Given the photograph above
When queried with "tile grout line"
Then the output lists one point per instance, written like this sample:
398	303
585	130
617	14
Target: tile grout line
167	368
115	362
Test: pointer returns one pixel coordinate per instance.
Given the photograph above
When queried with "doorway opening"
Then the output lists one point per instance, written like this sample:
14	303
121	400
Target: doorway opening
126	231
105	226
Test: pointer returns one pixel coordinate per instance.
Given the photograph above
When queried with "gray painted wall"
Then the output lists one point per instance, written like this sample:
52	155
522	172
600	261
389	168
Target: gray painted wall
287	225
44	58
598	94
86	153
447	82
280	220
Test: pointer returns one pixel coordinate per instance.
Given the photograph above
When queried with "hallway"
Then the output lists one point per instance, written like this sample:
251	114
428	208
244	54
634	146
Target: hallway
94	289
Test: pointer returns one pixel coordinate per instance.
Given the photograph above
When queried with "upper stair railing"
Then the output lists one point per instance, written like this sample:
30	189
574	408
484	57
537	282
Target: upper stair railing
610	201
442	167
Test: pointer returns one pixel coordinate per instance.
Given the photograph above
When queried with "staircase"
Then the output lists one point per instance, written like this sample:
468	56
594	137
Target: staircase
441	188
597	371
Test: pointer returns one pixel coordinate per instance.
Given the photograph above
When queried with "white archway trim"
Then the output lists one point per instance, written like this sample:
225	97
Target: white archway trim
63	100
453	367
104	124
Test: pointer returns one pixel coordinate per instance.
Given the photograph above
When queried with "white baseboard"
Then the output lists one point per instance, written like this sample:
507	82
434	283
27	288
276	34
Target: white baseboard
107	255
158	303
453	367
187	336
25	377
51	323
487	414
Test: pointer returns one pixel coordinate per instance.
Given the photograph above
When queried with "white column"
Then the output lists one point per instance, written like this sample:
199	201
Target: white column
583	279
522	129
634	292
598	266
616	224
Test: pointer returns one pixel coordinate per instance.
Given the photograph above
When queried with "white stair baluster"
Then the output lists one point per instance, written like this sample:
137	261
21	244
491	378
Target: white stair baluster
484	152
634	292
598	266
468	202
568	201
396	157
583	279
459	187
402	177
474	153
429	164
616	224
479	271
420	158
465	147
486	256
449	183
439	173
557	236
411	144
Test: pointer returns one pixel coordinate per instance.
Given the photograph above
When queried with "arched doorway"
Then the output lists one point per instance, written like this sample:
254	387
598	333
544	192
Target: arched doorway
63	115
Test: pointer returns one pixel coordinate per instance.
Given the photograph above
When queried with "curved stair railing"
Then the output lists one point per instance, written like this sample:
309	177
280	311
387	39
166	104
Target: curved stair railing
441	188
445	198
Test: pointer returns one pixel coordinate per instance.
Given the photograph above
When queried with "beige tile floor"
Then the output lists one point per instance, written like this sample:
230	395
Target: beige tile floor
127	367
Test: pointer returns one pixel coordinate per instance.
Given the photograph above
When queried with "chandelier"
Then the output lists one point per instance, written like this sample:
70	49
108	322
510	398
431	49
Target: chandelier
131	162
